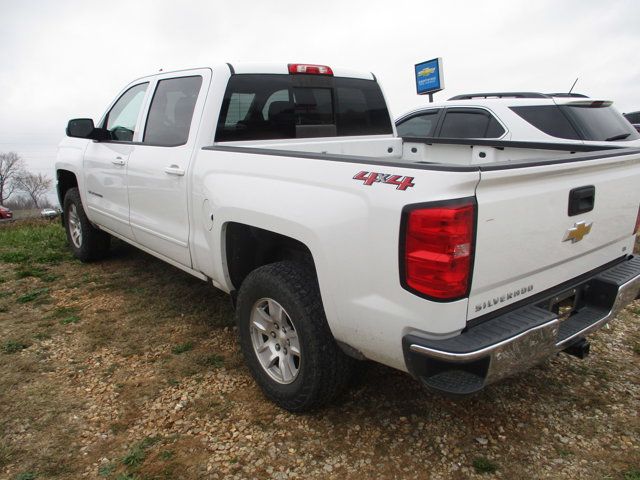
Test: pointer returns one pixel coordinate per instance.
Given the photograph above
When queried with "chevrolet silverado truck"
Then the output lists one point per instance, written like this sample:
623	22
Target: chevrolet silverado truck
287	187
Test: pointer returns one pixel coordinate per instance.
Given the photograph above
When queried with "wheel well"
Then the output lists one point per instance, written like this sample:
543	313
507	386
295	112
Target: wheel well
250	247
66	180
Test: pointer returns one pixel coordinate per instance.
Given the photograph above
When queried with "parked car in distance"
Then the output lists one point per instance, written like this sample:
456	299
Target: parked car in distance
521	116
633	117
5	213
49	213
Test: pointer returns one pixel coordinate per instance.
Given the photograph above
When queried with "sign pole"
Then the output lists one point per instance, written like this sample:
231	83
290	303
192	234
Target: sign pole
431	98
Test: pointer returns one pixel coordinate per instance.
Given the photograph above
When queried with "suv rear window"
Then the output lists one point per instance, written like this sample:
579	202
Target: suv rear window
600	123
579	122
262	107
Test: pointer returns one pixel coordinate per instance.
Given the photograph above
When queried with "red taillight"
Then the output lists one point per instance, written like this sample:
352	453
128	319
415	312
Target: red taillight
310	69
438	248
637	229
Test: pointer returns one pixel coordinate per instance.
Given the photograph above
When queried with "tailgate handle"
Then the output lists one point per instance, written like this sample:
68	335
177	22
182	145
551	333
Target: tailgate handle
581	200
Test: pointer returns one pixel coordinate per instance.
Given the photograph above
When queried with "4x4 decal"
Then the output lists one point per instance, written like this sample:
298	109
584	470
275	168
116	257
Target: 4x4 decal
369	178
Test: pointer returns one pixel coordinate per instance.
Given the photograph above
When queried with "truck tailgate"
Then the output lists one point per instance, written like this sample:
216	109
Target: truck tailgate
526	239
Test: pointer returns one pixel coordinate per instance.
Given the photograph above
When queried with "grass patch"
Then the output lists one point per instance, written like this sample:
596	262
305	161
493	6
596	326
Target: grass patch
135	457
73	319
26	476
633	474
128	476
30	271
42	336
5	453
33	242
106	470
166	455
182	348
32	295
13	346
484	465
215	361
64	312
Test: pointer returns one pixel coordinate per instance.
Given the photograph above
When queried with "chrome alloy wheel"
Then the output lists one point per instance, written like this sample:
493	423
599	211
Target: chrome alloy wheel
275	341
75	228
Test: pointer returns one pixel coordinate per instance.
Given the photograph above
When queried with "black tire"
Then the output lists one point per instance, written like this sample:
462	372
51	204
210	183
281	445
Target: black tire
94	243
324	369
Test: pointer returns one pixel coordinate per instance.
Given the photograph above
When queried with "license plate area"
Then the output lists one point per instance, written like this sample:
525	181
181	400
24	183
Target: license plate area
565	304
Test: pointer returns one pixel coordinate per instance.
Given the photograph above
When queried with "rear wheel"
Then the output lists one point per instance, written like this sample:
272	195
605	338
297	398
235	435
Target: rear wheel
87	242
285	338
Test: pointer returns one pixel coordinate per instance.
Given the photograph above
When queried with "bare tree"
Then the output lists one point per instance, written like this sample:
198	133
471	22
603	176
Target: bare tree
11	170
35	186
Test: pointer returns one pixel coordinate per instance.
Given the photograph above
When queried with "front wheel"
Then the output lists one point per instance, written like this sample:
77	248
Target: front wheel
86	241
286	340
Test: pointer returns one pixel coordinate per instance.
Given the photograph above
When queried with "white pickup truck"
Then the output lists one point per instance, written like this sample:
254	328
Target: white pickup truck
286	186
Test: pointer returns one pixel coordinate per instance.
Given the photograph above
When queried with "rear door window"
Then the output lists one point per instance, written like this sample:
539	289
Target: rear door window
171	111
470	123
421	125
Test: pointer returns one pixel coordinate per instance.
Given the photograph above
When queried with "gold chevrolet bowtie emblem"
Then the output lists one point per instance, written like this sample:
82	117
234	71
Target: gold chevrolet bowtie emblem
577	232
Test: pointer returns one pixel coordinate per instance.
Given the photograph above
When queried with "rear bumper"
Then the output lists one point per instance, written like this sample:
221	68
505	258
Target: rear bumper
520	338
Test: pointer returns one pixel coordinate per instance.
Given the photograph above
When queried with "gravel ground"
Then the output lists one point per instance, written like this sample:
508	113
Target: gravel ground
129	369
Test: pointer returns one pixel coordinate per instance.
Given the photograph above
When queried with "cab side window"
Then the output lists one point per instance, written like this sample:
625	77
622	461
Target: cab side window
422	125
171	111
123	116
470	123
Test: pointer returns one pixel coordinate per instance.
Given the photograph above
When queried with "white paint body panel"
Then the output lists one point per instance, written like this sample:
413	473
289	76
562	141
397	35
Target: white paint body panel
352	230
522	220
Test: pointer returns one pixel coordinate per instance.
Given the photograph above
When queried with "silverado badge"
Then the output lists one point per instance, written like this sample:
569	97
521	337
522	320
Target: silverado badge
577	232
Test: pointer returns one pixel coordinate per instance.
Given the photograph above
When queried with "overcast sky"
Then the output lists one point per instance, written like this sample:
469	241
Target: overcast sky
63	59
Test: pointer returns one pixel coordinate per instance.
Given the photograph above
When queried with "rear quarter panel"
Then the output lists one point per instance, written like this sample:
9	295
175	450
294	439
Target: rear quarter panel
352	231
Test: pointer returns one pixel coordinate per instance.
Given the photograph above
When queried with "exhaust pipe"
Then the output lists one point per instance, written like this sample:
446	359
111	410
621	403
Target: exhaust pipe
579	349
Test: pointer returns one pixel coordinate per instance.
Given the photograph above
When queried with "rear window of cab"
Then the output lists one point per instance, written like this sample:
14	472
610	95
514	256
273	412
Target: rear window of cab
263	107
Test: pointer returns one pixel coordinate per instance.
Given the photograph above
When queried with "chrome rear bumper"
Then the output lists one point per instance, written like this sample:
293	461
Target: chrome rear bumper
521	338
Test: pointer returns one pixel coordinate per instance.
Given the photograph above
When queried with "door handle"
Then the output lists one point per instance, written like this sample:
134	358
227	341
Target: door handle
174	170
118	161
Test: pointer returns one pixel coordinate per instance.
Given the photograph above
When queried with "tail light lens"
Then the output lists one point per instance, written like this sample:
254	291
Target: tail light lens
438	250
637	229
310	69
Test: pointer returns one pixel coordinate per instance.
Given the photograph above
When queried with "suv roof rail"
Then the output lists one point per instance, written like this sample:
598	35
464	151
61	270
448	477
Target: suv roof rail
578	95
469	96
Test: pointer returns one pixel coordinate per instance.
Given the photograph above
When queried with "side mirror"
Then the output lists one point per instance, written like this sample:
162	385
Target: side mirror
80	128
84	128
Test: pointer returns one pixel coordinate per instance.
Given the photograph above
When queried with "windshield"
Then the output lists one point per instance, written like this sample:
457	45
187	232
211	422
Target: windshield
600	123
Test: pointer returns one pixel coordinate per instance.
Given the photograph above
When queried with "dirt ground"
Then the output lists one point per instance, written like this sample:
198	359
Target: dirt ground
129	369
